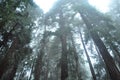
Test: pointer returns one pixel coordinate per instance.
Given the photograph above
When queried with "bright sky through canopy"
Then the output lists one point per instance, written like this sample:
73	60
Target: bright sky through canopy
45	4
101	5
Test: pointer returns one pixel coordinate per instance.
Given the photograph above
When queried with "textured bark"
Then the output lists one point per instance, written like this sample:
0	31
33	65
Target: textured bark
64	63
5	63
88	58
64	67
76	58
116	52
110	64
39	62
10	73
13	72
38	66
101	59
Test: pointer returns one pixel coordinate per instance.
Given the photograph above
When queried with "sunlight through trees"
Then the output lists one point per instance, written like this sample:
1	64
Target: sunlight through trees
59	40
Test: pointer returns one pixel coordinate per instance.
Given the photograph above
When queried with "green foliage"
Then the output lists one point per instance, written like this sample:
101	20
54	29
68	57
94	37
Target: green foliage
24	20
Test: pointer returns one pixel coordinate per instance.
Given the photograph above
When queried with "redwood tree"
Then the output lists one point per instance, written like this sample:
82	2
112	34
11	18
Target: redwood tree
110	64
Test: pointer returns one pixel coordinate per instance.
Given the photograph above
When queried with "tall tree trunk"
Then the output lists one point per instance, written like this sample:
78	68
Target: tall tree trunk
101	59
39	62
88	58
5	63
38	66
11	73
64	63
64	66
76	58
116	53
110	64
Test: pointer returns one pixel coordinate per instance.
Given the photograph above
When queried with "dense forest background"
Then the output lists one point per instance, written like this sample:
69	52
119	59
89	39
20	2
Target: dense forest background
72	41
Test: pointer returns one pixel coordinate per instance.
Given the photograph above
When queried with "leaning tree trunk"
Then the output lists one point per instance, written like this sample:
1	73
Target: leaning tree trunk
100	59
110	64
88	58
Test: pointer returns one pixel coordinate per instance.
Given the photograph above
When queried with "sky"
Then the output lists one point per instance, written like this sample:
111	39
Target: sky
101	5
45	4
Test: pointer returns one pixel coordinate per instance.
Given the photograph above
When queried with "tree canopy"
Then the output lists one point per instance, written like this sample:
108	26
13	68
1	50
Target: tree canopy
72	41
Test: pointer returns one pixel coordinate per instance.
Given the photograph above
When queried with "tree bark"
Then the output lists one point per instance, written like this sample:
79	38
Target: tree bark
64	67
38	66
88	58
110	64
76	58
63	37
101	59
5	63
39	62
10	74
